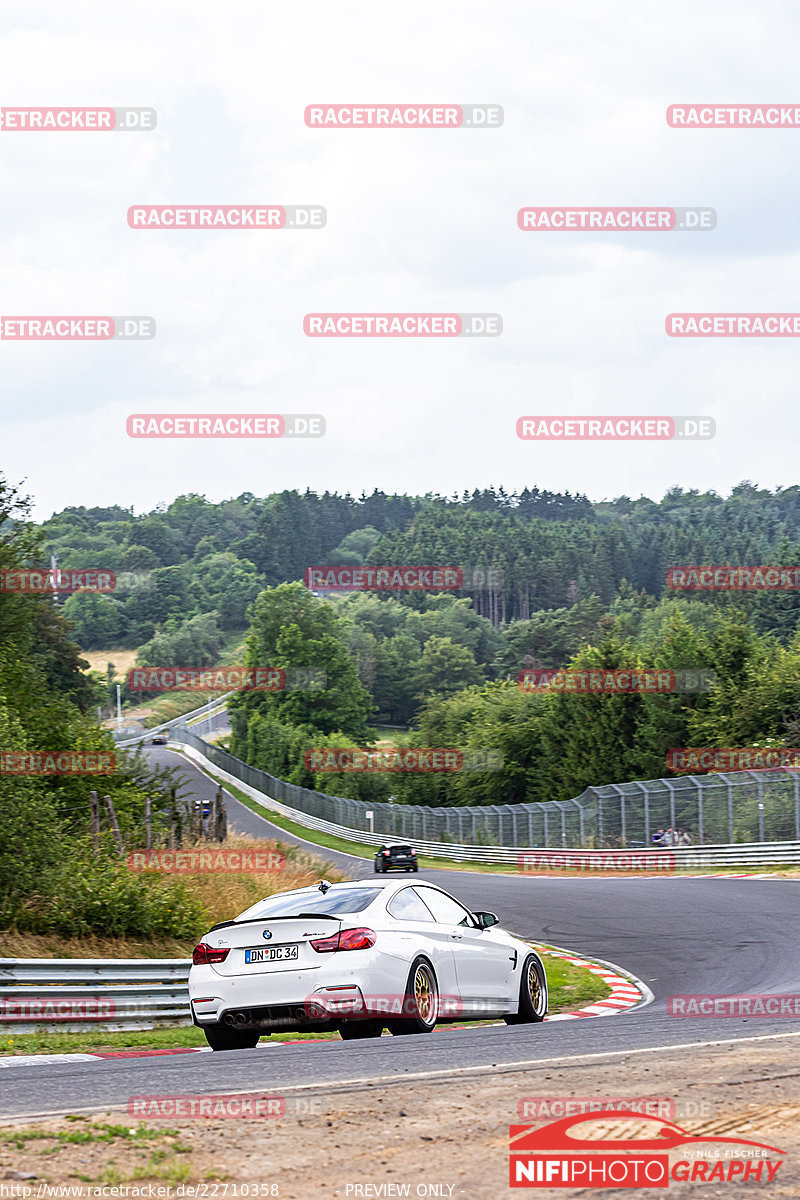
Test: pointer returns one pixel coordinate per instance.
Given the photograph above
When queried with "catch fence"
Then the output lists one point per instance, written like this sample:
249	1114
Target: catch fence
720	809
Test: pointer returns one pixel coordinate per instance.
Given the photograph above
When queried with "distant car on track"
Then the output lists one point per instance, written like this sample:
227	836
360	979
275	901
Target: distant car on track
160	739
395	858
360	957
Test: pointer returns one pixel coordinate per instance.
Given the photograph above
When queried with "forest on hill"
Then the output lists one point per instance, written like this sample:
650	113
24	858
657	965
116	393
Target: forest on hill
551	580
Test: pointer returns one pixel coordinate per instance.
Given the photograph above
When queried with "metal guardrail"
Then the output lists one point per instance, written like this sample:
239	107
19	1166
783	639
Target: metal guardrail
211	708
687	858
66	994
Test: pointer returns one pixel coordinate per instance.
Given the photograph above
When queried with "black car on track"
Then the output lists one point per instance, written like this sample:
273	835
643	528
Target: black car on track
395	858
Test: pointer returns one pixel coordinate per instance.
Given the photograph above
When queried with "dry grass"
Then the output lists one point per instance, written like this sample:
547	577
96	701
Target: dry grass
98	660
226	895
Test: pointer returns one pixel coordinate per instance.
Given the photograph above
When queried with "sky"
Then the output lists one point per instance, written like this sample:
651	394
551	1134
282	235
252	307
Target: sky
418	220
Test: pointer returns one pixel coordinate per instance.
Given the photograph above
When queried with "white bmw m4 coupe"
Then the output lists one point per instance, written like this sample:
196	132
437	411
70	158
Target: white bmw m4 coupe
360	957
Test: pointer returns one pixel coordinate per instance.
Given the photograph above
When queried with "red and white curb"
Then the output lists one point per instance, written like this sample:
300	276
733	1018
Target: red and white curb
626	990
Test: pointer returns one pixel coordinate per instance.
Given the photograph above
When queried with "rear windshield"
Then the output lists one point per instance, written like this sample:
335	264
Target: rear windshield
402	849
351	900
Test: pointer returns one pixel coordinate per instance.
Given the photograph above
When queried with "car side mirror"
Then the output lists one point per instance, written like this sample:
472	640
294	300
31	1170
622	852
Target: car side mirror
485	919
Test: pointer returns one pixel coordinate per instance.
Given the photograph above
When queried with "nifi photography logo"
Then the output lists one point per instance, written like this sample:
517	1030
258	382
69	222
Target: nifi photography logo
645	1153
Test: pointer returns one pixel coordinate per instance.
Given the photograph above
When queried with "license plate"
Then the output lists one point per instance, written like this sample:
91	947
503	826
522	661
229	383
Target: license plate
270	954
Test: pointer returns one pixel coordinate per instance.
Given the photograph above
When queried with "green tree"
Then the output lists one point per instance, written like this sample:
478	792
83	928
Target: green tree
443	669
295	631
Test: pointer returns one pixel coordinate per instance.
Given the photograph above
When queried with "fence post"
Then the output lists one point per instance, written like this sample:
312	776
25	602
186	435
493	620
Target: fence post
622	822
95	807
148	825
646	791
700	832
670	786
112	816
797	807
760	808
221	823
730	811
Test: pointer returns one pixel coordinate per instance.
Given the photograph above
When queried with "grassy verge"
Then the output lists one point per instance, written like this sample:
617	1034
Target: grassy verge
570	987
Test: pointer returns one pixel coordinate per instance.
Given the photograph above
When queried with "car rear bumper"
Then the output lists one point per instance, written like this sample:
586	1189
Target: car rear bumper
297	999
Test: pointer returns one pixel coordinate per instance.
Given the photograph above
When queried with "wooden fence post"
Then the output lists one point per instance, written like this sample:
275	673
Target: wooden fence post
95	807
112	816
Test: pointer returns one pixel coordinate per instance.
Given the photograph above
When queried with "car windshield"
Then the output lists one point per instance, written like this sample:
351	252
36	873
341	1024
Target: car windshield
292	904
401	849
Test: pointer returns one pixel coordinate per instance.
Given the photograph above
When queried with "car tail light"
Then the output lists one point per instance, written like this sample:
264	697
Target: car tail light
387	854
346	939
203	954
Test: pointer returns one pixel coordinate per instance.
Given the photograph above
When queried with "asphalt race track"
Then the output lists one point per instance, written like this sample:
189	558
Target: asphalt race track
715	935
